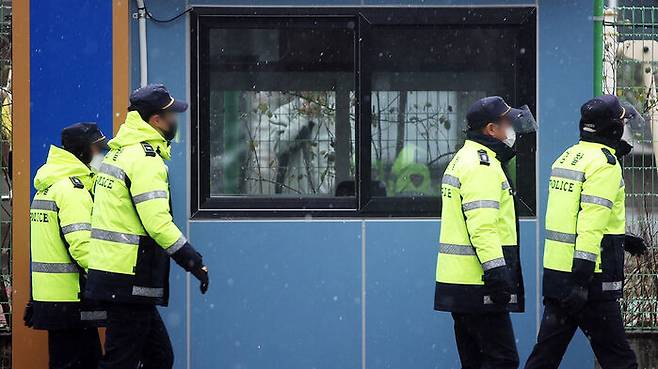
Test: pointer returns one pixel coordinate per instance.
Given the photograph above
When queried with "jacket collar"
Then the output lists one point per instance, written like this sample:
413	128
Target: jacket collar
503	152
136	130
618	147
590	137
61	164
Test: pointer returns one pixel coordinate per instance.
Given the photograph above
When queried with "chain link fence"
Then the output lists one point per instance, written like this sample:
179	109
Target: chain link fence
630	54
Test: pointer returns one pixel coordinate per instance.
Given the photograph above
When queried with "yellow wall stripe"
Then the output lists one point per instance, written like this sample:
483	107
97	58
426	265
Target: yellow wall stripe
120	61
29	347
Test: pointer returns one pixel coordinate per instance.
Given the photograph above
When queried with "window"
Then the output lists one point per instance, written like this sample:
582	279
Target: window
347	111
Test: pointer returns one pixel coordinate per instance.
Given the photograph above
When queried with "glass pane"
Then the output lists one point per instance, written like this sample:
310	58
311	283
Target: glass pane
423	81
414	134
281	110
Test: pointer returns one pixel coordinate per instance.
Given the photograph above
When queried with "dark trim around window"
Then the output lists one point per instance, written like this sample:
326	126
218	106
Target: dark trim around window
365	19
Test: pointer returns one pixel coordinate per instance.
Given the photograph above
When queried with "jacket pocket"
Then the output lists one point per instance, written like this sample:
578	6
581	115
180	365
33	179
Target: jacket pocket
511	254
152	268
144	265
612	258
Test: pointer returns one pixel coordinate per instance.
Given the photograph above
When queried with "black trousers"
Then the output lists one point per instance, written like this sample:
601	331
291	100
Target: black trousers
485	341
135	338
74	348
602	324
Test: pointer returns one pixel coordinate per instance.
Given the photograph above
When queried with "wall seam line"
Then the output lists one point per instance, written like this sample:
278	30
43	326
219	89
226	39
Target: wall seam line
363	294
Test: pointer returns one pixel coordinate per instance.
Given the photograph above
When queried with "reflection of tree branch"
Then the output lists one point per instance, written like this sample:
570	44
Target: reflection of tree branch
252	144
418	120
378	154
306	152
441	156
284	157
273	182
402	111
318	102
391	102
323	176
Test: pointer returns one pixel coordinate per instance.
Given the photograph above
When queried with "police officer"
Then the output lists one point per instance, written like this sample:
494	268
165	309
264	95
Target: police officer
584	246
60	217
133	234
478	273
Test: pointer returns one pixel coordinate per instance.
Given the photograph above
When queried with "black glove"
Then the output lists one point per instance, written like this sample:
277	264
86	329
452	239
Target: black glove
634	245
202	275
582	272
28	314
190	260
575	300
497	283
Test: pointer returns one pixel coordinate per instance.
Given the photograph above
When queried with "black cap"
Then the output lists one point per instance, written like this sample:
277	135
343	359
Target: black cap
78	138
150	99
489	110
602	113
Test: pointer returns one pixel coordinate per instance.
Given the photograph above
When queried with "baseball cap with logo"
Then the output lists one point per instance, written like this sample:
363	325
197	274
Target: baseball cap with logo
491	109
605	113
150	99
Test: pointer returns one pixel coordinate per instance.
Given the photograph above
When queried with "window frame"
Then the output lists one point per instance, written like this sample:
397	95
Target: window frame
365	18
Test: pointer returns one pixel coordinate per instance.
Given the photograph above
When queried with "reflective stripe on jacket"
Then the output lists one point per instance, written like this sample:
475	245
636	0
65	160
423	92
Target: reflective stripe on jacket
585	218
133	232
478	232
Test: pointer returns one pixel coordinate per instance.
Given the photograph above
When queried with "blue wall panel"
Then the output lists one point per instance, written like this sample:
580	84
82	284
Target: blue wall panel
403	330
275	2
565	82
70	70
360	2
283	295
447	2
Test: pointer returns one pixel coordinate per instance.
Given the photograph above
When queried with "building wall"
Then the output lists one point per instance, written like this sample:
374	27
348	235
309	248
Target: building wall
70	70
302	293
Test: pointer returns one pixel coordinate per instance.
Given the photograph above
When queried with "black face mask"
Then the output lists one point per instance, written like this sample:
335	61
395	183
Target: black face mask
617	130
623	149
170	133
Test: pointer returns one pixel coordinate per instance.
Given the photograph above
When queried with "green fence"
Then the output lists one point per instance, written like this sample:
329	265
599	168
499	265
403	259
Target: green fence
630	62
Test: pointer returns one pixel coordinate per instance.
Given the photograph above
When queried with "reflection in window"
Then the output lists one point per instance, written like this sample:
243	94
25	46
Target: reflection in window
348	111
281	108
414	134
424	79
279	143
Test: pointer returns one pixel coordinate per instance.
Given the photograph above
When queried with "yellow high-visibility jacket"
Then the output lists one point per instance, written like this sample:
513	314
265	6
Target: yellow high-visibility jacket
478	231
585	219
60	217
133	233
